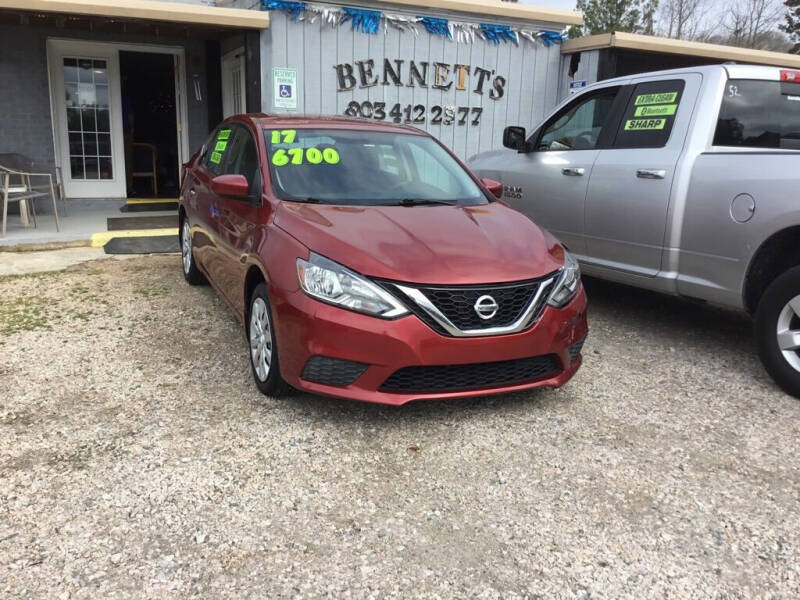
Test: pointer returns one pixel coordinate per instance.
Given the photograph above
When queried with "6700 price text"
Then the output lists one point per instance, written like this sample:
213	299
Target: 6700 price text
416	114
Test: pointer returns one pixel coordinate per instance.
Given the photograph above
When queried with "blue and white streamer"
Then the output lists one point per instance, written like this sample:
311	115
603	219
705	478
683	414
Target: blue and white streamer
436	26
365	21
372	21
498	33
295	10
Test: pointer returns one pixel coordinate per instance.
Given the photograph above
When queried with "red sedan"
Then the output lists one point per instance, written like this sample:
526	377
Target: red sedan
367	262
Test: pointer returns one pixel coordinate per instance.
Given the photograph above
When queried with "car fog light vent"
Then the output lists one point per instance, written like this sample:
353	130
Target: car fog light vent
575	350
332	371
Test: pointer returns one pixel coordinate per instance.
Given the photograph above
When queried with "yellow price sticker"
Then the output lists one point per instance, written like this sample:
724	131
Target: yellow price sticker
285	136
296	156
645	124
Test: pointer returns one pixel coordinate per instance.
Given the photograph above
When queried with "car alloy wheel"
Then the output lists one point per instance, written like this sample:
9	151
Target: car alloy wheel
260	339
186	247
788	332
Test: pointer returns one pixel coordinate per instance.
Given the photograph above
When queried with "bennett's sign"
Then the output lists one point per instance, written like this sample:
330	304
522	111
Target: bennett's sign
436	75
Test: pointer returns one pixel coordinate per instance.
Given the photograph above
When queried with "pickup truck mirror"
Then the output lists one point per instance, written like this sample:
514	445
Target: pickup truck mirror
514	138
495	187
235	186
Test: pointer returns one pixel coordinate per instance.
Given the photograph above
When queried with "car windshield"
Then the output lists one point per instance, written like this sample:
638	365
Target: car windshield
365	168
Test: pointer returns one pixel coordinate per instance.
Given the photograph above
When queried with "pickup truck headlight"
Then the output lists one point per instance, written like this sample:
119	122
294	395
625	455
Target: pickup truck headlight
330	282
567	284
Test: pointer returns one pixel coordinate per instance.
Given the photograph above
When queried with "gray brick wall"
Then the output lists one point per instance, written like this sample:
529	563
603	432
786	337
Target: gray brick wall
25	123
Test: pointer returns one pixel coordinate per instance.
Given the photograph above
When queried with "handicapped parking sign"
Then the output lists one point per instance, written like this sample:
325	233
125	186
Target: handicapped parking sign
284	88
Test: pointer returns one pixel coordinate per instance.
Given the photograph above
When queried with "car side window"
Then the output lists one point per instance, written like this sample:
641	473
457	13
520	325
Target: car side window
650	114
759	114
242	155
578	125
217	151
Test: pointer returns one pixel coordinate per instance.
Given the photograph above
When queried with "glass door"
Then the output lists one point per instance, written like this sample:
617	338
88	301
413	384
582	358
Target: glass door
85	95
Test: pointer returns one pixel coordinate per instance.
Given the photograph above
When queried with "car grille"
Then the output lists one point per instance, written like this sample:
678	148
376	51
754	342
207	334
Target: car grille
457	304
332	371
453	378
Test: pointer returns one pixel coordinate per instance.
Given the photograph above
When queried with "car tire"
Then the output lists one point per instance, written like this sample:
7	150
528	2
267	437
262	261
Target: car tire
191	272
777	331
262	345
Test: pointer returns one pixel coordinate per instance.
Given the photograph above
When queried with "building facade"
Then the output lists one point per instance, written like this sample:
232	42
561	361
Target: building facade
114	95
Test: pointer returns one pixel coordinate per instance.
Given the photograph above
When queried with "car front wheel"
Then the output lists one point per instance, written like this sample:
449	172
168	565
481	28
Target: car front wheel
263	348
190	271
777	331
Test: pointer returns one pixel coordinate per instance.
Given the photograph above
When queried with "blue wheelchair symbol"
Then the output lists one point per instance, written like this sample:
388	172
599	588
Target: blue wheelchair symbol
285	90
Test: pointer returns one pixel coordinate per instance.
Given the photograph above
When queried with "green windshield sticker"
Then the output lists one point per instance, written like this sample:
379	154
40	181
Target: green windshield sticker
644	124
662	98
665	110
220	147
297	156
288	135
216	157
224	134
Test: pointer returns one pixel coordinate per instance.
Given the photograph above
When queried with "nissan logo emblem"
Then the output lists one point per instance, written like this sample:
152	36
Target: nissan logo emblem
486	307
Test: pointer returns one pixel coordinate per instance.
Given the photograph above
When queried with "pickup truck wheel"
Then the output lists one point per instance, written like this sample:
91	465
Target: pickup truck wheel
263	347
190	271
777	329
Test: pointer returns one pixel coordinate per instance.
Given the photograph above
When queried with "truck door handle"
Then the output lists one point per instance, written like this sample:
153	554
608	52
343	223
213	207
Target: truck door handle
651	173
572	171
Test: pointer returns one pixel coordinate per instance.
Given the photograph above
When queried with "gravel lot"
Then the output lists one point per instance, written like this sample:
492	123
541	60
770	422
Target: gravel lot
138	460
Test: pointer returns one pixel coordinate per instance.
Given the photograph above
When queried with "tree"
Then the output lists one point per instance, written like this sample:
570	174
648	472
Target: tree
792	26
751	23
683	19
606	16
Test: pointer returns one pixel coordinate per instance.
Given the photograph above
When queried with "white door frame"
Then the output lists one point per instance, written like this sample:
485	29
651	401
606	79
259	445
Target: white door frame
58	48
227	65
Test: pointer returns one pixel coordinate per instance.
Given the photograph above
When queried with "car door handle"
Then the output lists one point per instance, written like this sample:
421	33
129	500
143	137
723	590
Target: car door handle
651	173
192	191
572	171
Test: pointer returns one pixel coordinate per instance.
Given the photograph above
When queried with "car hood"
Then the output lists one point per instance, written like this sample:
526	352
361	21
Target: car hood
491	243
492	163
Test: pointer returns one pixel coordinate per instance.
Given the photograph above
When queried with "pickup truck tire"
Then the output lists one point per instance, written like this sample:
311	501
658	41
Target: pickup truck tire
263	348
777	330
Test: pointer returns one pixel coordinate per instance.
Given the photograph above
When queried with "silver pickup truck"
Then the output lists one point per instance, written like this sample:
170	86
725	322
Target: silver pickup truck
685	182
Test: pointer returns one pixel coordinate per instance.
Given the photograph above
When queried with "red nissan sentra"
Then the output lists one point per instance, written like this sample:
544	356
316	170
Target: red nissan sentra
367	262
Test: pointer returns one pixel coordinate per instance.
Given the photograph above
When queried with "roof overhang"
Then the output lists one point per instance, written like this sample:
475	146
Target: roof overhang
495	8
648	43
150	10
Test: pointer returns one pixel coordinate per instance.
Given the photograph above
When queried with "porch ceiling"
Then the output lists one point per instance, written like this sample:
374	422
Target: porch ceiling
149	10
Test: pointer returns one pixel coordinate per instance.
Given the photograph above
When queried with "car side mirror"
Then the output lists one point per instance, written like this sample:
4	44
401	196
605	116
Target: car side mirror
234	186
495	187
514	138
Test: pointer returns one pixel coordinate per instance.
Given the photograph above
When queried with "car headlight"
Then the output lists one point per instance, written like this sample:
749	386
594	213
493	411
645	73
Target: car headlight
330	282
567	283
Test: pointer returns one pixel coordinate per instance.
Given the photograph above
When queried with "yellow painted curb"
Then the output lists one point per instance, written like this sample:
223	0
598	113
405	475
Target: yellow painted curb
99	240
151	200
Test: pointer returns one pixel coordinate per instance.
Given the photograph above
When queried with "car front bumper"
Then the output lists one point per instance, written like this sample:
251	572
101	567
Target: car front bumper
371	350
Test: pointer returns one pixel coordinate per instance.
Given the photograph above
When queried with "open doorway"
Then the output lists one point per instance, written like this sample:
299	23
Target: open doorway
149	123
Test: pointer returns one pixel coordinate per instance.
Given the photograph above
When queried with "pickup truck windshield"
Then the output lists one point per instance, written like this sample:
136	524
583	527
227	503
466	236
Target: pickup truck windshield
365	168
